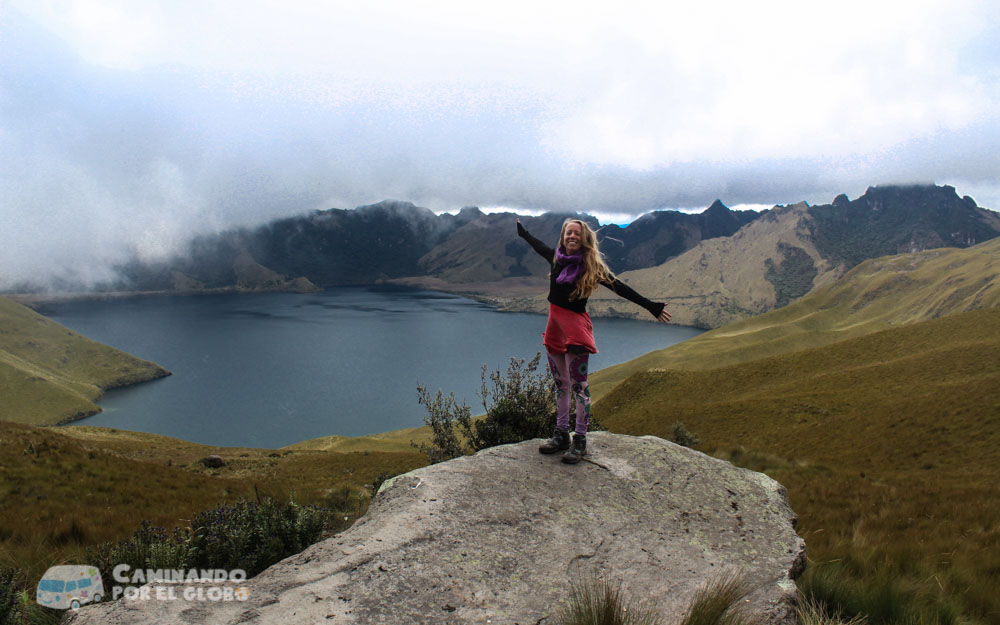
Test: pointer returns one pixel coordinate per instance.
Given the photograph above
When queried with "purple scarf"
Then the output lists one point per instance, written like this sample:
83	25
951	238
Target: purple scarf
572	263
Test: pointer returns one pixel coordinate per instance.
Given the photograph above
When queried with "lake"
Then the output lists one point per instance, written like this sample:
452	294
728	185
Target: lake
272	369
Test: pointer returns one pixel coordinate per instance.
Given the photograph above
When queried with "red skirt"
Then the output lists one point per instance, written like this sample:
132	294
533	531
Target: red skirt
567	328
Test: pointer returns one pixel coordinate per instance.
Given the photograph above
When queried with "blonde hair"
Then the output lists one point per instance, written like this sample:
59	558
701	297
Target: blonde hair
593	268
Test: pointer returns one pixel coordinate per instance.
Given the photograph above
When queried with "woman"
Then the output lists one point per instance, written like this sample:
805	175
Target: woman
577	267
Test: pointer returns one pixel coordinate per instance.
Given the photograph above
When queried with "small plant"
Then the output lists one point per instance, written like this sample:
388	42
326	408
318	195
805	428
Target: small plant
718	602
601	602
812	612
683	437
376	484
519	405
10	601
444	415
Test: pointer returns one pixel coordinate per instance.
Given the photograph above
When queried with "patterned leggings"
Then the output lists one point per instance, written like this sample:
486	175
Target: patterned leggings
569	370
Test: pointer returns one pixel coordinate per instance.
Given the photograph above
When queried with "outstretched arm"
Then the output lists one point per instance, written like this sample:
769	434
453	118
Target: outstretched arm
544	250
657	309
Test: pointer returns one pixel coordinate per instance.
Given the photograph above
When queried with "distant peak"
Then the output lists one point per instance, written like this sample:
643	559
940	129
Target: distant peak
717	207
392	205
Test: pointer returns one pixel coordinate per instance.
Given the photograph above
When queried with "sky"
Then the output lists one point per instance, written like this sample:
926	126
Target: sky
128	126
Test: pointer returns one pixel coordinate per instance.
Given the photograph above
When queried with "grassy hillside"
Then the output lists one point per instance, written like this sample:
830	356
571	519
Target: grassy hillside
51	374
878	294
888	443
66	488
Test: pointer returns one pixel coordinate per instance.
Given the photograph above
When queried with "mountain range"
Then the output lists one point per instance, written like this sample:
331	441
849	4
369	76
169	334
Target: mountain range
714	267
788	251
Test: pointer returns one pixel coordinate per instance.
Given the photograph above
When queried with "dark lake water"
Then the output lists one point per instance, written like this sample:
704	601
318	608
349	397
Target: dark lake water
268	370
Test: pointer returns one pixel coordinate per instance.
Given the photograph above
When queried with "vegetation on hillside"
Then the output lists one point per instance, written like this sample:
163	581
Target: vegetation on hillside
897	219
50	374
68	489
793	276
882	441
878	294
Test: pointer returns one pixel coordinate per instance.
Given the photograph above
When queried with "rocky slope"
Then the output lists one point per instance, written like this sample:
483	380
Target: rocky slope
452	543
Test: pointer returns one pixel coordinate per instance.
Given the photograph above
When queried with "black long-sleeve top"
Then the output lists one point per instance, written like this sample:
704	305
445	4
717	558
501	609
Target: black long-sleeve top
559	294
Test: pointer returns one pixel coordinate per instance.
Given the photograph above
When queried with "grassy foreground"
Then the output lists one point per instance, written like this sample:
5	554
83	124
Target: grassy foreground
888	444
64	489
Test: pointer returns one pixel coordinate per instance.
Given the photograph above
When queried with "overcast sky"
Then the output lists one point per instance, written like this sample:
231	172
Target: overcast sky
127	126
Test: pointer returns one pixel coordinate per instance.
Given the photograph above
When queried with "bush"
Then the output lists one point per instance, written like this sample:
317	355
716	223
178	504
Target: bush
10	597
683	437
17	603
445	416
246	535
252	536
520	405
149	548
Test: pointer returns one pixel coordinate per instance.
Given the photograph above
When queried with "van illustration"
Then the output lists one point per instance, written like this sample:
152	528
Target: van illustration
69	586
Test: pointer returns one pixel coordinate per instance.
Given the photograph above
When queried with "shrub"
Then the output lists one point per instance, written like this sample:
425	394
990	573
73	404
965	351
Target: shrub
17	603
246	535
149	548
519	405
683	437
252	536
444	415
10	597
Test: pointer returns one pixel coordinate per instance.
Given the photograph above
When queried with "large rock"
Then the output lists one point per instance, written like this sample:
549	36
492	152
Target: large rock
500	536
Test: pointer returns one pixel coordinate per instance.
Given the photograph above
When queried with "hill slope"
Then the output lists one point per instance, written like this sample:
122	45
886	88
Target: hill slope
875	295
50	374
71	487
882	440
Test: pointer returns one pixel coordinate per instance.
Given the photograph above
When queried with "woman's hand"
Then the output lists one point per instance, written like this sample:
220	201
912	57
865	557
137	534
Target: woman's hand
664	315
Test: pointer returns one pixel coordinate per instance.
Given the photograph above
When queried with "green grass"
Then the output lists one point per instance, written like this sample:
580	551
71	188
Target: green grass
888	444
878	294
599	601
50	374
69	488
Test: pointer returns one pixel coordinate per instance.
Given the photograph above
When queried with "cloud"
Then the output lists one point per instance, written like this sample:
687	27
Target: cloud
127	127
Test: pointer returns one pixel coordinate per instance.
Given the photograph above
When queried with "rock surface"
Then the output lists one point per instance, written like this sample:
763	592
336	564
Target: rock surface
500	536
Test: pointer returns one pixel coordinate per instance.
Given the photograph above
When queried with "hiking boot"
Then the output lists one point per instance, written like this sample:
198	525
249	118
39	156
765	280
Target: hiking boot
558	442
578	451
